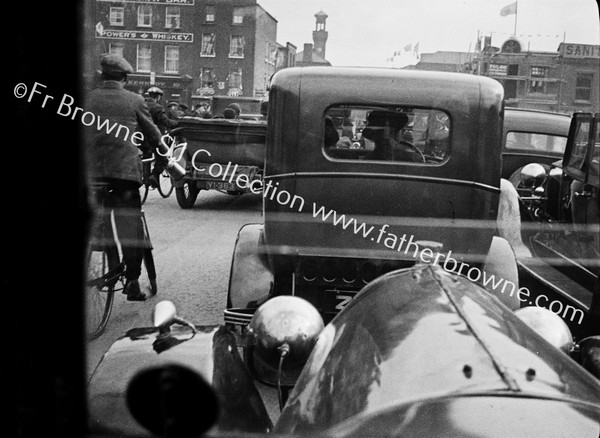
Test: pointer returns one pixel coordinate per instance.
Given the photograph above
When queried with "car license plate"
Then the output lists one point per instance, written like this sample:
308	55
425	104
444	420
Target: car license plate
219	185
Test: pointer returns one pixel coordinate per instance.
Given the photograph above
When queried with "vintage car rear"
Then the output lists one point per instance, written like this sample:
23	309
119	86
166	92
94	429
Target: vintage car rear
219	154
334	219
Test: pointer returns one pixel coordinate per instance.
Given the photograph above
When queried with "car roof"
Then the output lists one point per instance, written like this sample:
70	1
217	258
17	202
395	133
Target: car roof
537	121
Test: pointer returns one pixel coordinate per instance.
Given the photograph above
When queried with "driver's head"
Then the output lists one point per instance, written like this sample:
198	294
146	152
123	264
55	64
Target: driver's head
384	123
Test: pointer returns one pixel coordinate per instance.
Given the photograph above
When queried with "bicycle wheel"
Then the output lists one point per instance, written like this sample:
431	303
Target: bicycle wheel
145	187
102	274
165	184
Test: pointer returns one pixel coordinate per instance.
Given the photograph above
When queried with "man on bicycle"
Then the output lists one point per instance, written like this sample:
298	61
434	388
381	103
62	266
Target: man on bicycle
164	124
113	159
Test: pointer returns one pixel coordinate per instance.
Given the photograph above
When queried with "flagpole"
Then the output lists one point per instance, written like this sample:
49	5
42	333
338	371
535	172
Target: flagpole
516	13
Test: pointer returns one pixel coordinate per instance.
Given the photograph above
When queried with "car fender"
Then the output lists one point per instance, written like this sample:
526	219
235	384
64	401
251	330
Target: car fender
509	218
501	262
251	278
212	352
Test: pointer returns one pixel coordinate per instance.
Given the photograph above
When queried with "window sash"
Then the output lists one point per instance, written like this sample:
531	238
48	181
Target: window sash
144	17
171	59
116	16
236	46
235	78
209	14
172	17
144	58
207	78
208	45
238	15
583	87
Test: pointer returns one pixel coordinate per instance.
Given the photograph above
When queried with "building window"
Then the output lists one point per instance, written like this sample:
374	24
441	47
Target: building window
236	46
238	15
144	17
115	49
172	17
583	86
171	59
513	70
537	83
116	16
207	78
235	78
209	14
208	44
144	56
271	53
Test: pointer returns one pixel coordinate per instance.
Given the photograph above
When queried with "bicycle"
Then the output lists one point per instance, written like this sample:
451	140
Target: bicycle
165	182
105	269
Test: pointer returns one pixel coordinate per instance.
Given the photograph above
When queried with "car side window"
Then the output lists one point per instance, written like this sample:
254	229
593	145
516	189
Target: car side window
536	142
390	134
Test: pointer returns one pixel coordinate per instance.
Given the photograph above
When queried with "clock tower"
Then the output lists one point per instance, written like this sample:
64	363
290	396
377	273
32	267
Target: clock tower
320	34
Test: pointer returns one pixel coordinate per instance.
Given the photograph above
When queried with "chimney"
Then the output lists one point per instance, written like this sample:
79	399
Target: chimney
307	54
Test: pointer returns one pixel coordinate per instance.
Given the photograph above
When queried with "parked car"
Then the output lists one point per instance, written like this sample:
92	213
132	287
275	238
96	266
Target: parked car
561	219
532	136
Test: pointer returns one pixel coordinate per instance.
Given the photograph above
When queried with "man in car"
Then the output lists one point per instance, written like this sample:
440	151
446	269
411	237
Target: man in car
383	128
113	159
164	124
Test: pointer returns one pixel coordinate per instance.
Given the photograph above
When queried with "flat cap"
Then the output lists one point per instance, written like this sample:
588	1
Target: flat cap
112	64
381	118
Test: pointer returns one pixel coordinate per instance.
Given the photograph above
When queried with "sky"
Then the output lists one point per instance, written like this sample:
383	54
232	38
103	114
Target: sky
377	32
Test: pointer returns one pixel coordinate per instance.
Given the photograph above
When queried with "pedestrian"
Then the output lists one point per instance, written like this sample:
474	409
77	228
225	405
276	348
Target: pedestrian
113	159
264	109
164	123
236	107
229	113
173	110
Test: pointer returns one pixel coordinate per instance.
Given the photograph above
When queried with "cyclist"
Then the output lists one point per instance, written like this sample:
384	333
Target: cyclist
113	160
164	124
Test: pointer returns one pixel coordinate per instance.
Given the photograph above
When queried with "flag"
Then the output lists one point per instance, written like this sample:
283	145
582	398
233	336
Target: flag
509	9
408	48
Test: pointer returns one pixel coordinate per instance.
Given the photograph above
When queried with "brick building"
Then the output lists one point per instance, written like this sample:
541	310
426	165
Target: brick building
567	80
192	49
564	81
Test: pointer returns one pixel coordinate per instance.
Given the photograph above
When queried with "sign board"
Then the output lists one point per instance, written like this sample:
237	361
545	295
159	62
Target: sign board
579	50
145	81
497	69
158	2
147	35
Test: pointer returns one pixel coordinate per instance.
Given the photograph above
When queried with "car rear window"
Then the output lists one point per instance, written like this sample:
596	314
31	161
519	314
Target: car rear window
536	142
387	133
